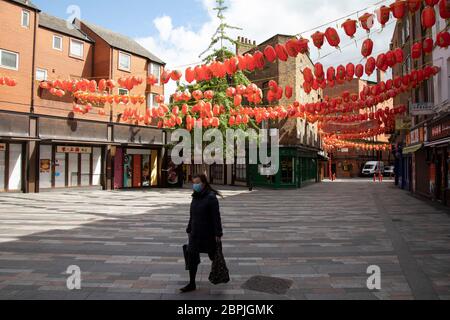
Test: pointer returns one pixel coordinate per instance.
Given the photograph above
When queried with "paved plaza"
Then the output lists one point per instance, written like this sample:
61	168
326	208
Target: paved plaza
322	238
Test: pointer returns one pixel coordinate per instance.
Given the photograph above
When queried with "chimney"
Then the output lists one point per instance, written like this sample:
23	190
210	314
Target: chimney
244	45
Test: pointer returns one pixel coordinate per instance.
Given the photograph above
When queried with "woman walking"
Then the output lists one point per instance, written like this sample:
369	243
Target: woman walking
205	227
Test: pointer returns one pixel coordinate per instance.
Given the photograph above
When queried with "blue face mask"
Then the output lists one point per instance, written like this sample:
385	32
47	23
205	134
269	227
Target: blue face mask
198	187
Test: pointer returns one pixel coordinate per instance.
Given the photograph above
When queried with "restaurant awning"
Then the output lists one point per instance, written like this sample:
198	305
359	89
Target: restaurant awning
412	149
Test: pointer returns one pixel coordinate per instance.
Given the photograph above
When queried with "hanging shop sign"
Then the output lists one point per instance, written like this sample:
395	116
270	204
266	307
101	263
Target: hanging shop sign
417	136
403	123
440	130
69	149
2	146
421	109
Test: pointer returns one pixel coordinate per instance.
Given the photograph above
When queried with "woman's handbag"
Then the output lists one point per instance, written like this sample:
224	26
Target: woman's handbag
219	271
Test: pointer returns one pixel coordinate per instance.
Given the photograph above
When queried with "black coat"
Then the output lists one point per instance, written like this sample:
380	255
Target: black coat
205	223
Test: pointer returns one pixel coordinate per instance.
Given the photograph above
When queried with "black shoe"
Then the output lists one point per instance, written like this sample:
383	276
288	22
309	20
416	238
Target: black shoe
189	288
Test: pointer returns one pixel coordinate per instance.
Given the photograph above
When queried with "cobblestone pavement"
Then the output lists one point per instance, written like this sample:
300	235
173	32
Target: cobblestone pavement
323	238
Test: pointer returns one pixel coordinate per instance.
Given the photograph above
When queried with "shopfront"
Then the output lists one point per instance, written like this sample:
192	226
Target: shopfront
298	167
137	159
70	166
136	168
12	167
439	155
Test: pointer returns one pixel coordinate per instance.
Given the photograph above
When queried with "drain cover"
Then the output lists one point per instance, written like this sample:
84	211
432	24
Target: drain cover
268	285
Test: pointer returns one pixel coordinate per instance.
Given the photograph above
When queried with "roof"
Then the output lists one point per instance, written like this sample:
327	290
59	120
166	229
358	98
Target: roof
123	42
26	3
60	25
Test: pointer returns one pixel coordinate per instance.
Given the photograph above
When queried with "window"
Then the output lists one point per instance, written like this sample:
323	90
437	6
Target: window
76	48
151	100
241	172
25	18
41	74
155	69
123	92
9	60
124	61
57	43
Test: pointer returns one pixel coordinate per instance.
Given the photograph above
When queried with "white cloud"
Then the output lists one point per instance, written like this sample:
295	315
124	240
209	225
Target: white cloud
260	19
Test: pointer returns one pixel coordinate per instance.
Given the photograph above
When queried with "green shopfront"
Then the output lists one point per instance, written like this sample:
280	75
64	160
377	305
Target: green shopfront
298	167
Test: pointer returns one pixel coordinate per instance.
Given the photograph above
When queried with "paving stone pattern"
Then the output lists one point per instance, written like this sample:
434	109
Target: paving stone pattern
320	239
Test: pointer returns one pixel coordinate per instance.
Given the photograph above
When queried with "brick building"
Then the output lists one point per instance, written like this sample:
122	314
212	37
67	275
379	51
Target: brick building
299	140
423	145
348	163
43	143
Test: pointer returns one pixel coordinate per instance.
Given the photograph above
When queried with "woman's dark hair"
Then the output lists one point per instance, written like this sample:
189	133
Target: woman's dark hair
204	179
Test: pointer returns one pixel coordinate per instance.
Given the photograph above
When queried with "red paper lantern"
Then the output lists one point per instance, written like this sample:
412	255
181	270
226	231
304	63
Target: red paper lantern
302	45
176	75
341	72
332	37
308	75
281	52
367	21
416	51
359	71
399	9
318	71
444	9
350	27
428	18
390	59
331	74
443	39
428	46
270	54
291	48
432	3
383	15
318	39
350	70
367	48
414	5
381	61
288	92
370	66
258	58
399	55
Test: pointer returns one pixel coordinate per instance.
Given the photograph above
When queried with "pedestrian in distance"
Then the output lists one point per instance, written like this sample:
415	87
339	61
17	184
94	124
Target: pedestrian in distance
204	228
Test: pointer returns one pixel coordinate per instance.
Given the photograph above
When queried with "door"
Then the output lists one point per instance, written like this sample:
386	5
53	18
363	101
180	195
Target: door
2	167
137	171
15	167
60	170
45	167
73	170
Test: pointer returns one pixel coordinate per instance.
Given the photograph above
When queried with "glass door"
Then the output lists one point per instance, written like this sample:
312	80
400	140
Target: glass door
15	167
60	170
2	169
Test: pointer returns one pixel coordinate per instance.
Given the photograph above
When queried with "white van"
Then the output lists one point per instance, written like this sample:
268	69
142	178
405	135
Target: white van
373	167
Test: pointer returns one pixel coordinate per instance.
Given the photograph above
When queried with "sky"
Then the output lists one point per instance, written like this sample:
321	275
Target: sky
177	31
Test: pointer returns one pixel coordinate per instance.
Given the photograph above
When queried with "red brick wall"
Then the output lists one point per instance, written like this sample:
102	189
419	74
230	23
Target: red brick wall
15	38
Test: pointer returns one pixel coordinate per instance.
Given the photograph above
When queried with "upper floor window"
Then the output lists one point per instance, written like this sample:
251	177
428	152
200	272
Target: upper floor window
25	18
41	74
9	60
155	69
124	61
151	100
58	43
76	48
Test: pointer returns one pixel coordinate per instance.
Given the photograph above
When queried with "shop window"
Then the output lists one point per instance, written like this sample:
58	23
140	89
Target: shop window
96	166
15	167
60	170
73	170
127	171
287	171
45	167
2	166
86	169
217	172
241	172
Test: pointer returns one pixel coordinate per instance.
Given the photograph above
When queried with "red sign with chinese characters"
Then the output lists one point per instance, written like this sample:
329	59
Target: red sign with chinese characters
440	130
69	149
